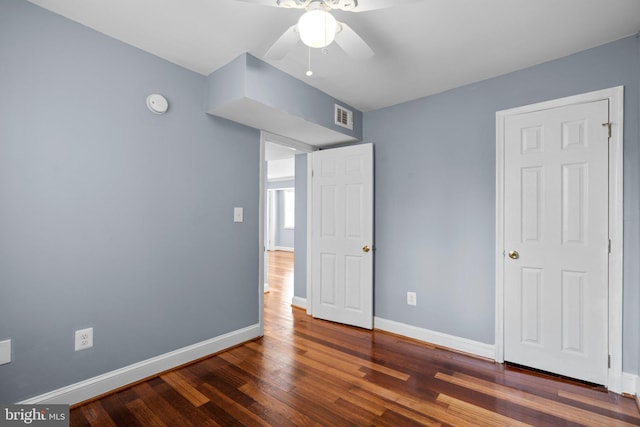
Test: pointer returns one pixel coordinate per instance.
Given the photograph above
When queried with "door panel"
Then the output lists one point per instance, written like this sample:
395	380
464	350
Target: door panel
328	279
328	212
556	218
342	224
353	274
531	204
572	312
531	317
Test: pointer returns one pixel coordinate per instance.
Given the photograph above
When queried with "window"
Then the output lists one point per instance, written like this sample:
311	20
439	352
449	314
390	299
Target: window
289	208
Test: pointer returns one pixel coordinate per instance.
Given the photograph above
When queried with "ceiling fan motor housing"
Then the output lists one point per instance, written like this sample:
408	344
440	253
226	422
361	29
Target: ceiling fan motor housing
318	28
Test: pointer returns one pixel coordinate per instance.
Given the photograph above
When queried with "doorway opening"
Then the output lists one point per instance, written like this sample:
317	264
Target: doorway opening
279	223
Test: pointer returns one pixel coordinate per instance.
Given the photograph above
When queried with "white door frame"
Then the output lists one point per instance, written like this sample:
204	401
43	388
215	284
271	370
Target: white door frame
262	194
615	96
271	216
309	229
269	244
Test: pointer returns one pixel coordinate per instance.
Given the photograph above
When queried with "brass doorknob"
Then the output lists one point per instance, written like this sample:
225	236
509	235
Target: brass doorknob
514	254
366	248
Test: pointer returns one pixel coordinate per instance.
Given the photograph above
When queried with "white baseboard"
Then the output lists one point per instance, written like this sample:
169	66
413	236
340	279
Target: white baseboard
443	340
96	386
630	384
299	302
266	287
283	248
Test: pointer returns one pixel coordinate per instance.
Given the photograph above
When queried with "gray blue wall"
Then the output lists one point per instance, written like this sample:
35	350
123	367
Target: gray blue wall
111	216
435	193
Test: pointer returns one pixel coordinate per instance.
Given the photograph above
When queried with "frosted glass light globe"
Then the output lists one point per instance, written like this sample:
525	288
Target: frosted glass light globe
317	28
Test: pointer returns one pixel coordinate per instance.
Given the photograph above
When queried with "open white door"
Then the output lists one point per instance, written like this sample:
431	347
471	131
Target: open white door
342	235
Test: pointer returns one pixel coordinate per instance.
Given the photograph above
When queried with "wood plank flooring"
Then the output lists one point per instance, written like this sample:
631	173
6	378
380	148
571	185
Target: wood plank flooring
307	372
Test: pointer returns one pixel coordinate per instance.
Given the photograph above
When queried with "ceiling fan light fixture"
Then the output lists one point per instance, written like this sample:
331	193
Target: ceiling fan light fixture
317	28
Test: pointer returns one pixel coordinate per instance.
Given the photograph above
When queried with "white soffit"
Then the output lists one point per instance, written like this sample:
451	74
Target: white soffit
257	115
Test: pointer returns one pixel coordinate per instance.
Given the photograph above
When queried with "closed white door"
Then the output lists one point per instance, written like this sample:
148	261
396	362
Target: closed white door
342	235
556	240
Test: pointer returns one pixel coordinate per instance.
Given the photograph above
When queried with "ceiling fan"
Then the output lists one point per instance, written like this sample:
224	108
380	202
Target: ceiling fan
317	28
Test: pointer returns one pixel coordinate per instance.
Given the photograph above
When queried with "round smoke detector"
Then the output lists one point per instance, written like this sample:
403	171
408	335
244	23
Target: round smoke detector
157	104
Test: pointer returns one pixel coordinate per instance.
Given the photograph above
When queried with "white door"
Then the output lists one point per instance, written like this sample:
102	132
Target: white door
556	240
342	235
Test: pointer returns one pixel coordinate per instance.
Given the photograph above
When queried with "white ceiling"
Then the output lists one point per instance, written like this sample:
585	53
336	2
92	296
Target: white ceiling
421	49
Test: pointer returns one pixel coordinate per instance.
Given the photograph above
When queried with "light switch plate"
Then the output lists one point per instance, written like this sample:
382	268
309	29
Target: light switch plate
238	214
411	298
5	352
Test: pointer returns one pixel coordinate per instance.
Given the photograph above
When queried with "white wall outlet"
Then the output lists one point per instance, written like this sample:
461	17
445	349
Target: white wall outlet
411	298
84	339
238	214
5	352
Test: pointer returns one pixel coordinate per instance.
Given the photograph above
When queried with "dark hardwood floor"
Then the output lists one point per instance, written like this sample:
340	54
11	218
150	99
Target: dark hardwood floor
308	372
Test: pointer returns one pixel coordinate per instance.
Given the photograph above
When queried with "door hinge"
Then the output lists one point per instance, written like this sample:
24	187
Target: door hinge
609	361
609	245
608	125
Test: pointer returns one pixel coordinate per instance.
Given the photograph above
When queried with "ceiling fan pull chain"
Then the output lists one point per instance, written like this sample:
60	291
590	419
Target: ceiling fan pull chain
309	72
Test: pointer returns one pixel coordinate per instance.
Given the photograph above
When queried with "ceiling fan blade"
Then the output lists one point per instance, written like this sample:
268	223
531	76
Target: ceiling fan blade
348	5
296	4
366	5
261	2
284	44
352	43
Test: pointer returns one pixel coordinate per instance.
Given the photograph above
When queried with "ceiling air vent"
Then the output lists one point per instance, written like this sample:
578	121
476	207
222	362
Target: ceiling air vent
344	117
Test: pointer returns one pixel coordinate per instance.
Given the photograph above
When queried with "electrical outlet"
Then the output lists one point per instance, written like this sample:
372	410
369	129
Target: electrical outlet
411	298
84	339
